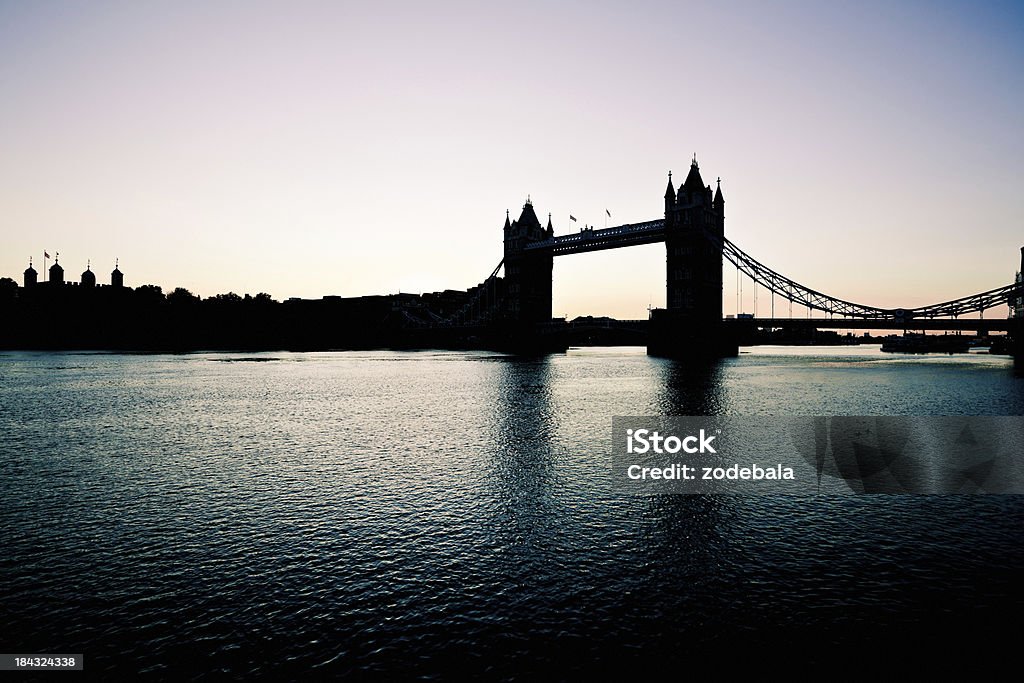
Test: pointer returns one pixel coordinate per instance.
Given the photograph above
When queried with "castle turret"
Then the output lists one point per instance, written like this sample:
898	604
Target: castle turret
88	277
670	194
550	230
31	277
116	277
56	273
719	202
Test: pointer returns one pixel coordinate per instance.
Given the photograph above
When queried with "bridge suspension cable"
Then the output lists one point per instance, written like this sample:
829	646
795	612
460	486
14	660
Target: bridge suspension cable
813	299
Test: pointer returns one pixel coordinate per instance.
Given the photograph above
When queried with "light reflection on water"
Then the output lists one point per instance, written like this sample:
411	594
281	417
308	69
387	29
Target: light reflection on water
388	512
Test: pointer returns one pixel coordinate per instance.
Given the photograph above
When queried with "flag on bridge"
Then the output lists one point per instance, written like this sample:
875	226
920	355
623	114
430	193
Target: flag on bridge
608	212
45	255
572	218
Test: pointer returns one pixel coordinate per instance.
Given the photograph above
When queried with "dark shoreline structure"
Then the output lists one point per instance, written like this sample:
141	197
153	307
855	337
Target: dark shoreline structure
56	315
60	315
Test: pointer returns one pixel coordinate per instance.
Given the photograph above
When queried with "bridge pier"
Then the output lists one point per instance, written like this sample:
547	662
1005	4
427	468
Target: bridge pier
1016	339
673	334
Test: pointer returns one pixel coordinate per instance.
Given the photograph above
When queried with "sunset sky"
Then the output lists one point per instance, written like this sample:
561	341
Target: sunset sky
871	150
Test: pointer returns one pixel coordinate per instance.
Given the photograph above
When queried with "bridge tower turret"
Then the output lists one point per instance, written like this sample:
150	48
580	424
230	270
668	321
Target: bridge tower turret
527	271
670	195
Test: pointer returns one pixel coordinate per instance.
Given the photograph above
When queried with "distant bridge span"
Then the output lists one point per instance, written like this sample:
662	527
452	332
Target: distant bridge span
916	324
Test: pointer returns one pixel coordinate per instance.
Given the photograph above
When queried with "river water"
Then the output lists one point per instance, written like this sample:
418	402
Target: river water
430	512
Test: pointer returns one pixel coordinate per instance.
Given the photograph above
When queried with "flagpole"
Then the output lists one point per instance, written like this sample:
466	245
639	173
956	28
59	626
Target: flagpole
45	271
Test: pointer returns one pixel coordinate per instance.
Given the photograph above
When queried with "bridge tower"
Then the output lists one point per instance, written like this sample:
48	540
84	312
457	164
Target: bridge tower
1016	330
693	261
692	319
1018	304
527	272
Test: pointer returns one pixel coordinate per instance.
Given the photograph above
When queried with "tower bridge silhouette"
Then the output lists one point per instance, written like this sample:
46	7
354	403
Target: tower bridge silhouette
518	306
